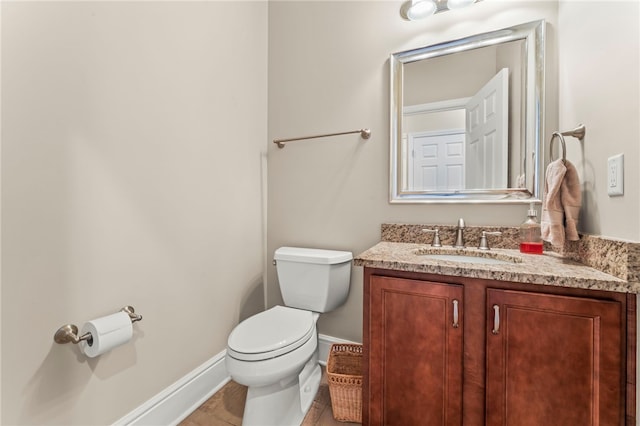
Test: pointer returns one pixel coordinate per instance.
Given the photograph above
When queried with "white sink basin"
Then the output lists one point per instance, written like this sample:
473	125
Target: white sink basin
468	259
466	255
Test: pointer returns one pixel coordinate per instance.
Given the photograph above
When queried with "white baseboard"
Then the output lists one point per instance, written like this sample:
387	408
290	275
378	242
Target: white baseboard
176	402
324	345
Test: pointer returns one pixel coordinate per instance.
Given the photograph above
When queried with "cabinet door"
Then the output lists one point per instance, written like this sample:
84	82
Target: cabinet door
553	360
415	354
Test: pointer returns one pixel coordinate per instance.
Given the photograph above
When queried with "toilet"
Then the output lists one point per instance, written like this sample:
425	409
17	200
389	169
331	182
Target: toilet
275	353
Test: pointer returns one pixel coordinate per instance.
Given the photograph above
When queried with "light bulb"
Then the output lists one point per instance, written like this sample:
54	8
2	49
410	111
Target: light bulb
459	4
421	9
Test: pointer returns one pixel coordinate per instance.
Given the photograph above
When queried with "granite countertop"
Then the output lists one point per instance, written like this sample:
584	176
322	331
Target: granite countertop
550	268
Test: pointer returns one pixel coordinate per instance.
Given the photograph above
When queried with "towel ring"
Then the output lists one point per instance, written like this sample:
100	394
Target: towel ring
564	146
577	133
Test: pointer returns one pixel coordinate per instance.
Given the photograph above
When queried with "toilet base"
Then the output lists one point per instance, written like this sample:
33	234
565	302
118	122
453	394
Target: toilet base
286	402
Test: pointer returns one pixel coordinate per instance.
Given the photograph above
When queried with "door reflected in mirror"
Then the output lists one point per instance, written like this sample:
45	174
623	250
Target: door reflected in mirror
460	143
466	118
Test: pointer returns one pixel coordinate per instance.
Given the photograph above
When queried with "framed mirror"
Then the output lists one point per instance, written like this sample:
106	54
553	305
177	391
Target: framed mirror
467	118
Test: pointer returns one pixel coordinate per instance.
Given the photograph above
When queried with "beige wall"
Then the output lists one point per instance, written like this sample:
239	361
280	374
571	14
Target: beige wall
132	138
328	71
600	86
449	77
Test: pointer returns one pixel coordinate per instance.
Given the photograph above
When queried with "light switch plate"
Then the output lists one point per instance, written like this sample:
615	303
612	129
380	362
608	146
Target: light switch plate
615	175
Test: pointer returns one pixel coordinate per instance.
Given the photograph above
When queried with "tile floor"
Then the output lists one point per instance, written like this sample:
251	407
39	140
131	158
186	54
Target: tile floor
227	405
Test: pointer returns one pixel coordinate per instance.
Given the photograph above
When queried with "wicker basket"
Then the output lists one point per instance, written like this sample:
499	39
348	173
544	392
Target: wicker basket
344	374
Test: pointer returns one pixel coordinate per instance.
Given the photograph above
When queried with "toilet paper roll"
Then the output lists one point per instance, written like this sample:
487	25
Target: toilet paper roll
107	333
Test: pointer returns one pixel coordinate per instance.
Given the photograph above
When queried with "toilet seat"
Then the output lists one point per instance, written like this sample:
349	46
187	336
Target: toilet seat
271	333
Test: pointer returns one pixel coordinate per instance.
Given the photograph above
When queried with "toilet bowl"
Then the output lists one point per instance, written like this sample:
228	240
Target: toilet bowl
271	345
282	381
275	353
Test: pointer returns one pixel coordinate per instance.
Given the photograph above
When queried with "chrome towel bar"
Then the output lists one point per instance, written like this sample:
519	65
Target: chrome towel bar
364	134
69	332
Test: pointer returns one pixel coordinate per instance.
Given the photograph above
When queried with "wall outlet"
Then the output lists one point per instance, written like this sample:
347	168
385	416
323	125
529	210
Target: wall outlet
615	175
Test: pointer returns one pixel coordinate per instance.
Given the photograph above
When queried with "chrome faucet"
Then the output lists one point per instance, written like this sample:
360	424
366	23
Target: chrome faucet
436	238
484	244
460	234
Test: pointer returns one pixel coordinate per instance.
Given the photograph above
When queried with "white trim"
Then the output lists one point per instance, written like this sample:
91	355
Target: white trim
324	346
447	105
175	403
443	132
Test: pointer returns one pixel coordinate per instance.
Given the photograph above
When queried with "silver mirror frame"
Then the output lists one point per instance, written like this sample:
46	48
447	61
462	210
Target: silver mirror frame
533	33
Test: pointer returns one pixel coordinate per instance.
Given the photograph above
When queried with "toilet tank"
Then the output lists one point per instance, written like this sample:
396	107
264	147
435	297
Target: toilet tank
313	279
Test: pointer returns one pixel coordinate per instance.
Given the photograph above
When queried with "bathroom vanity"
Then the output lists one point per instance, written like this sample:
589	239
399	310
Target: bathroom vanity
494	337
536	339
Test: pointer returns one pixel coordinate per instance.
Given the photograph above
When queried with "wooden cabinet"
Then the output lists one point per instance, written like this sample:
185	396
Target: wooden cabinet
553	360
443	350
415	352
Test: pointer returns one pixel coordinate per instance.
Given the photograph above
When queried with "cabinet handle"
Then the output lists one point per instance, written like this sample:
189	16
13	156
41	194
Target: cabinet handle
496	319
455	314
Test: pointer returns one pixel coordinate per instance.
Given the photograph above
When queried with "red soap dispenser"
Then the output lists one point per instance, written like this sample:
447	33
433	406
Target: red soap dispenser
530	235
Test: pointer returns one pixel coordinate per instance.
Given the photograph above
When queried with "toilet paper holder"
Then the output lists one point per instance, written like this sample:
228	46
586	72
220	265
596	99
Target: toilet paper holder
69	332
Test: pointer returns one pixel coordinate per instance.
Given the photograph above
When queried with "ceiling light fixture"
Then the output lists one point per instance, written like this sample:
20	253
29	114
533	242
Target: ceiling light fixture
420	9
414	10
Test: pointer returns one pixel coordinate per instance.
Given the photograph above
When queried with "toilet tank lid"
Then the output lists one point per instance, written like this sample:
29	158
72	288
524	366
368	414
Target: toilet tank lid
308	255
